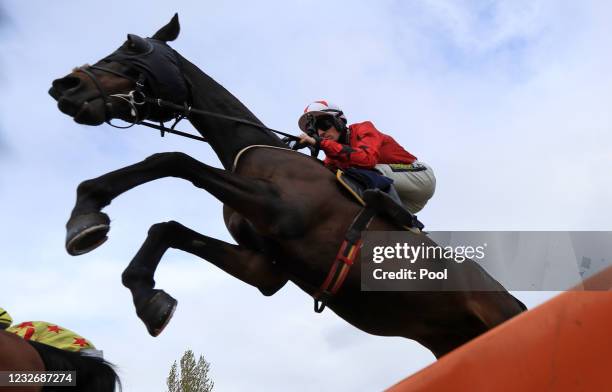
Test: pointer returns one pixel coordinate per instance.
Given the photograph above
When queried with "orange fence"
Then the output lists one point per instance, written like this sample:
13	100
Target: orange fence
564	344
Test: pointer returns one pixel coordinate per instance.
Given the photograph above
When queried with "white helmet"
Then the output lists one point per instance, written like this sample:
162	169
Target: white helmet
320	108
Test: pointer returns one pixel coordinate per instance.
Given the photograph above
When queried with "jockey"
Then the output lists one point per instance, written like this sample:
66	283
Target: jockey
362	146
48	333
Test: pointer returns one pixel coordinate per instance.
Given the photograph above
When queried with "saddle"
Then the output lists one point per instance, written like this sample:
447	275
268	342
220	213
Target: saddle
378	200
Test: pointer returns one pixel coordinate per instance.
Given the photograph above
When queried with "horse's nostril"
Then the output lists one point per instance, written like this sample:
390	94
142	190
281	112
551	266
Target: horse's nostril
66	83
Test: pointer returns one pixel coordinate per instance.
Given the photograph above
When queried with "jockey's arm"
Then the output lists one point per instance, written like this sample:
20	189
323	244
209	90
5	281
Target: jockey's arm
365	152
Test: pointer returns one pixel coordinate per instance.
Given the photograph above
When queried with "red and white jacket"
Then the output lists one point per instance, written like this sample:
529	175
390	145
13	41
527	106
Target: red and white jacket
367	147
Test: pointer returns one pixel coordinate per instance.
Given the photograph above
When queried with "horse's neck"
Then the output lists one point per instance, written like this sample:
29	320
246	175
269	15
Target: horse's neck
226	137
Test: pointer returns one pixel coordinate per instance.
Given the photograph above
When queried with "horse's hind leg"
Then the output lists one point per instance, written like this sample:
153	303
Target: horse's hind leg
87	227
155	307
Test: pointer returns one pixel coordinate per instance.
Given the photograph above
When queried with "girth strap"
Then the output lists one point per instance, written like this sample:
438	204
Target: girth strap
344	259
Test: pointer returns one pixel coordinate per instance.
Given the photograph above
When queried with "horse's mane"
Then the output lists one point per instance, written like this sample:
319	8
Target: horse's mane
93	374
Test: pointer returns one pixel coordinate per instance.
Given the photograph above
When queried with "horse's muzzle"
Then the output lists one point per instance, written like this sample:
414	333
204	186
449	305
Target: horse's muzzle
67	85
72	101
83	112
54	93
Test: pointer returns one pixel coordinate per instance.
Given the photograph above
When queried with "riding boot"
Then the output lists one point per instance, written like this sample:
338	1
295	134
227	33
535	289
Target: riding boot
392	192
386	205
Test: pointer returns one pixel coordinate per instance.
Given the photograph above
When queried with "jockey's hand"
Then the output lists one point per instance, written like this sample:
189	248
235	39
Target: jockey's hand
309	140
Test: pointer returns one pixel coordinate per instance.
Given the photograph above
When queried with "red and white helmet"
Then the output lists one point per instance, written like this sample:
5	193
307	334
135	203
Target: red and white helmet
320	108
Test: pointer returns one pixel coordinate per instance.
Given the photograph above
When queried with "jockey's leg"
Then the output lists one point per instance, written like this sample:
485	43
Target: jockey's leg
392	192
414	186
386	206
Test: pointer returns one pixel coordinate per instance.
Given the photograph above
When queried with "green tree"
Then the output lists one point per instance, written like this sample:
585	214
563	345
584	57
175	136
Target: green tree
191	377
172	380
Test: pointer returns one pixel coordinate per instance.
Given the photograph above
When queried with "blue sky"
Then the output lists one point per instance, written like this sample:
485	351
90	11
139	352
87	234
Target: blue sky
508	101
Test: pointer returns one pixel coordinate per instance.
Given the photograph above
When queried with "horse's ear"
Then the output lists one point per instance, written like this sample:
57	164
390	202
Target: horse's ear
170	31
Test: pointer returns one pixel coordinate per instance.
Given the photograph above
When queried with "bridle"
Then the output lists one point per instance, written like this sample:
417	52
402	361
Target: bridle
140	103
135	98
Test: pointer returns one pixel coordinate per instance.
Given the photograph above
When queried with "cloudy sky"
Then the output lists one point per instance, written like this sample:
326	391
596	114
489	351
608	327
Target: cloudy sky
508	101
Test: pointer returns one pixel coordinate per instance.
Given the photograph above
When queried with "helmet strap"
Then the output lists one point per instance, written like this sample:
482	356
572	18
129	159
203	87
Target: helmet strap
342	128
345	136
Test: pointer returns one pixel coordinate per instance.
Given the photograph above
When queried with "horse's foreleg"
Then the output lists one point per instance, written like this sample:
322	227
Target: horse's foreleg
155	307
87	227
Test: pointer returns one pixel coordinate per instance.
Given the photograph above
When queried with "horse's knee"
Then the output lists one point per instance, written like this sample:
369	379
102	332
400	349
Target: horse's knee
134	276
92	188
169	157
92	194
163	229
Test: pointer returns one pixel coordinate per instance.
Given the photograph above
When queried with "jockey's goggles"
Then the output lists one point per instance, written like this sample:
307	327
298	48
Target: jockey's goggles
323	123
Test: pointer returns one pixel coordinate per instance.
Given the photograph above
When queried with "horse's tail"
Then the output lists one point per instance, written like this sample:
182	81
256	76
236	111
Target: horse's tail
93	374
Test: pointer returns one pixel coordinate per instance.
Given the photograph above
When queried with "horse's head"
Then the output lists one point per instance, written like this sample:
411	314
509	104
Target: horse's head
125	84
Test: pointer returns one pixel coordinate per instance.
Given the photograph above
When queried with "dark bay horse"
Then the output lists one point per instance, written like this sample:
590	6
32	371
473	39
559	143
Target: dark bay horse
283	208
92	374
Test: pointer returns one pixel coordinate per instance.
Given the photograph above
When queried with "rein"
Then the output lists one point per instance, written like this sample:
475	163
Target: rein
187	110
137	98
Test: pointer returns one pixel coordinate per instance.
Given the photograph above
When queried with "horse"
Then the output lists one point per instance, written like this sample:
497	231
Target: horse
283	208
18	355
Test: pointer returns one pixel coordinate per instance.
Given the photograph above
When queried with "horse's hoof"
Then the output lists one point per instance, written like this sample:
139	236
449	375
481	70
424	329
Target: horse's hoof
85	233
157	312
